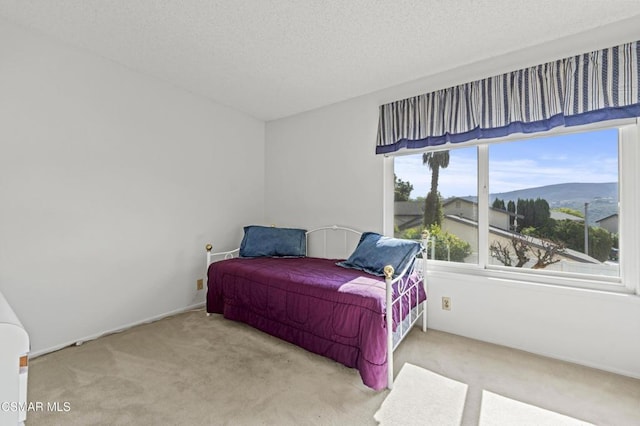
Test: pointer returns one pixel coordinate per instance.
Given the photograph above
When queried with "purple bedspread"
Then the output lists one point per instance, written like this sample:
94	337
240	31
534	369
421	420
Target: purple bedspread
332	311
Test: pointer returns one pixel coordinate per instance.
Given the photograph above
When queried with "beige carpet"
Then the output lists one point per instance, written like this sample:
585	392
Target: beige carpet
422	397
442	402
498	410
196	370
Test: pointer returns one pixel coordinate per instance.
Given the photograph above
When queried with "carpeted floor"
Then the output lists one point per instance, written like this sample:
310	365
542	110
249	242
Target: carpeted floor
196	370
446	399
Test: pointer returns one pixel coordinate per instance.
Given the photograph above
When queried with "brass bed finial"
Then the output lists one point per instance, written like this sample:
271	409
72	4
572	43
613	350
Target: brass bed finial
388	271
208	247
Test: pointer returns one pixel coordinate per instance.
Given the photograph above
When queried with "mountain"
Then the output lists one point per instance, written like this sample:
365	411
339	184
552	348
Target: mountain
602	197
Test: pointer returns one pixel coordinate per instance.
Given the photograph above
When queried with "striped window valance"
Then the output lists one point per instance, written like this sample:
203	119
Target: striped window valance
582	89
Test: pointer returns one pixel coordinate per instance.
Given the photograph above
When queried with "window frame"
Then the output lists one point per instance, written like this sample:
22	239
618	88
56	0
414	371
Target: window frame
628	280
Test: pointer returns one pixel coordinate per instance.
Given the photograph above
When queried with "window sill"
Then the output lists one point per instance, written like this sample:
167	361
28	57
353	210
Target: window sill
529	278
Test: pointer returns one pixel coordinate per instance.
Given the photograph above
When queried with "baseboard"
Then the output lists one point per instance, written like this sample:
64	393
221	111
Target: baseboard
80	341
577	361
585	363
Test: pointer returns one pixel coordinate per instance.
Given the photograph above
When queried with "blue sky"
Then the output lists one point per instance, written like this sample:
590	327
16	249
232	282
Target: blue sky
578	157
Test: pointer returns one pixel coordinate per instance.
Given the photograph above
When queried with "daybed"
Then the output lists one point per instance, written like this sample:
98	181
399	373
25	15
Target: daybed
291	284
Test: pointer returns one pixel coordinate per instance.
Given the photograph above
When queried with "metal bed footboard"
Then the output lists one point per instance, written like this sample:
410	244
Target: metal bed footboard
221	255
407	285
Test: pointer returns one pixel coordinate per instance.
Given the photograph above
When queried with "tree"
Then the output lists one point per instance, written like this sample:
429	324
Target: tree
502	252
600	243
498	204
535	213
541	213
432	206
511	208
571	233
448	246
522	208
414	233
402	189
432	210
545	251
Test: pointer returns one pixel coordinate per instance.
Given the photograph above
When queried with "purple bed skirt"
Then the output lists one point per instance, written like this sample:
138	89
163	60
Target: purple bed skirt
329	310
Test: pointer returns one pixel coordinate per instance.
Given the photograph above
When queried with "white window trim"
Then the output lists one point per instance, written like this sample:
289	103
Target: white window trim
483	206
388	195
629	215
629	207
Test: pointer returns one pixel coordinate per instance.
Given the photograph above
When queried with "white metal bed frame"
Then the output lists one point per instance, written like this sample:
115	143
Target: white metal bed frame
405	285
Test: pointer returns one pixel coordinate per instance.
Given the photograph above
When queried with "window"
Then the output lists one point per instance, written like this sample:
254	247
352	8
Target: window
546	206
553	203
442	200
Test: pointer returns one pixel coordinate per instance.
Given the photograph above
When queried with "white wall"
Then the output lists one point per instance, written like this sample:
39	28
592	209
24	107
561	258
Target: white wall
589	327
111	183
321	169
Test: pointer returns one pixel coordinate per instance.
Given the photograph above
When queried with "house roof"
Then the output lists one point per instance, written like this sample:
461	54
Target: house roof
452	199
569	253
611	216
272	59
408	208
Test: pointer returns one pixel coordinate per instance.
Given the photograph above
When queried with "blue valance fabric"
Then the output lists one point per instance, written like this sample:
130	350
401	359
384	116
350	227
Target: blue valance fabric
596	86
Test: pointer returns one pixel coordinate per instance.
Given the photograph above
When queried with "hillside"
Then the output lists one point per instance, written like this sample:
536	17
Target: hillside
602	197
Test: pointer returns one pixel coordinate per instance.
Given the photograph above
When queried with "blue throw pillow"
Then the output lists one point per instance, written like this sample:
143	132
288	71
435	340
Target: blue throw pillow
375	251
264	241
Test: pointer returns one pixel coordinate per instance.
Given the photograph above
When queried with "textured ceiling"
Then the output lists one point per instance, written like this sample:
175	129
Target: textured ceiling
274	58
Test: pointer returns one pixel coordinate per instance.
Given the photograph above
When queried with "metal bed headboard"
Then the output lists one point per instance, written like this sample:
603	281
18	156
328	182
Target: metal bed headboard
334	242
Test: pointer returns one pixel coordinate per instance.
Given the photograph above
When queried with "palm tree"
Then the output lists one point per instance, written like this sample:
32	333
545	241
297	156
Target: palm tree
433	207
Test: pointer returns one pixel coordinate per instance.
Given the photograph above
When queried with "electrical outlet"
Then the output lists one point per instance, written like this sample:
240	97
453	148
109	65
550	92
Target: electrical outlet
446	303
200	284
